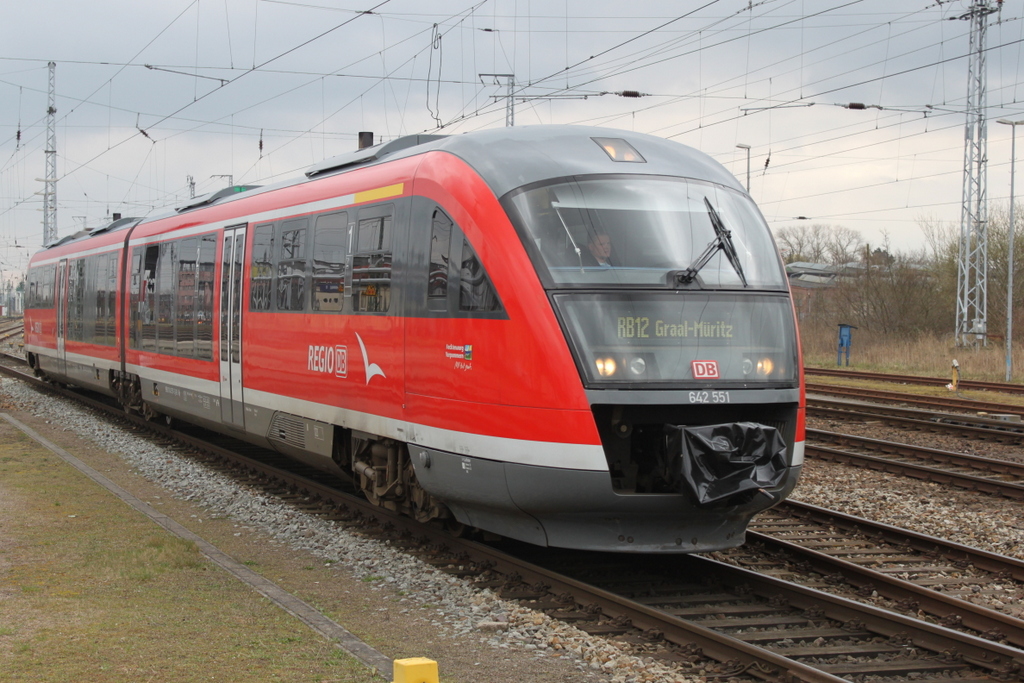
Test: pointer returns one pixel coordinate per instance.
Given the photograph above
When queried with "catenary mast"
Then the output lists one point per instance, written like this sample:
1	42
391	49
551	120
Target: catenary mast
972	261
50	181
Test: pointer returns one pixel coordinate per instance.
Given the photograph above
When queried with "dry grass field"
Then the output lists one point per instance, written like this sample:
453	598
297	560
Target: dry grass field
926	355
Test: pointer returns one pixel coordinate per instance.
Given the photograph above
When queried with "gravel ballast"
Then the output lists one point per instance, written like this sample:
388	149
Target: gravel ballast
463	612
466	614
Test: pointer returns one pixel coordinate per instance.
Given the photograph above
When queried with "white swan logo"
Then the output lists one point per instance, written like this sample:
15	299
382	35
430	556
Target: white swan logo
372	369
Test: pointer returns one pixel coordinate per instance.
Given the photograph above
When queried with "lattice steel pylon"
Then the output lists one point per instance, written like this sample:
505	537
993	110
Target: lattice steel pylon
972	260
50	180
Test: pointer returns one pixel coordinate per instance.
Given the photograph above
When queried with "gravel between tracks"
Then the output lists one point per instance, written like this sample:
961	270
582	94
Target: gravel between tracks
983	521
939	440
497	624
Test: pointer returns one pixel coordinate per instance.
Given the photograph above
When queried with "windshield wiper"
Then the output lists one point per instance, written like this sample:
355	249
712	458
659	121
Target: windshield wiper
575	247
723	241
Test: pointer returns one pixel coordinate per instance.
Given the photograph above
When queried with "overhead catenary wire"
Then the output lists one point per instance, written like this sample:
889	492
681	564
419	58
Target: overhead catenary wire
715	105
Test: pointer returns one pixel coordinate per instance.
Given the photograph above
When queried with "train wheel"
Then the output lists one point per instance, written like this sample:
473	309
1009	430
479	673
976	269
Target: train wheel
148	413
457	528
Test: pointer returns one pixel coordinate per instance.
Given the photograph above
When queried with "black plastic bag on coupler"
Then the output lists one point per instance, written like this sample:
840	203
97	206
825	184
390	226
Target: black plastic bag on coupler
719	461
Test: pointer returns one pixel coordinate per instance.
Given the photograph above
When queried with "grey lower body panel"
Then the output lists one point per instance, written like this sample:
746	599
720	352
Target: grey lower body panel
95	377
185	404
566	508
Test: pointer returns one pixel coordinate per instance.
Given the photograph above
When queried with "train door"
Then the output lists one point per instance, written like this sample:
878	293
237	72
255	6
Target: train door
61	294
232	407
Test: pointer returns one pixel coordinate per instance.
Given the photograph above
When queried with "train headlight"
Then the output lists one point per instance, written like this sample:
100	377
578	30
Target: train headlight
765	367
606	367
637	366
748	366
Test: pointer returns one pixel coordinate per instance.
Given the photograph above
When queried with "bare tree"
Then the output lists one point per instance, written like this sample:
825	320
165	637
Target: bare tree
844	245
815	243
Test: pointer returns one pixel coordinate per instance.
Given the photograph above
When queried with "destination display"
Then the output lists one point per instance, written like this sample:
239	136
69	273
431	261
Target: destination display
642	327
688	337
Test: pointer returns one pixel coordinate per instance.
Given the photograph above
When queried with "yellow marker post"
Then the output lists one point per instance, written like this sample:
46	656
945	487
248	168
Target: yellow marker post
415	670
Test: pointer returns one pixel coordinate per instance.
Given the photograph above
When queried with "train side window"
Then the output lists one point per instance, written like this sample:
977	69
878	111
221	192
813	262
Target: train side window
204	296
112	280
261	286
147	305
95	298
476	293
40	286
76	300
47	285
292	267
100	288
371	260
185	297
135	294
96	273
440	252
165	293
225	294
330	256
31	290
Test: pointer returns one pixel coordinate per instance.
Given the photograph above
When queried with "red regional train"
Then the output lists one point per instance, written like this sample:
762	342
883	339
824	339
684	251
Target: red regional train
575	337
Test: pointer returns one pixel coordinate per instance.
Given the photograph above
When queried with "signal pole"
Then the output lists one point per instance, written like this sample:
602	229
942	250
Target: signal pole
50	181
972	260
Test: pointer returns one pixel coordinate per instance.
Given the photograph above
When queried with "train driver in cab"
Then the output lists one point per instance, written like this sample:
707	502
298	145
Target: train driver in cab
599	247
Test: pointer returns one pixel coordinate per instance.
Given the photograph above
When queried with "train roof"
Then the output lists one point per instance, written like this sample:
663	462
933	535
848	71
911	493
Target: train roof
506	158
114	226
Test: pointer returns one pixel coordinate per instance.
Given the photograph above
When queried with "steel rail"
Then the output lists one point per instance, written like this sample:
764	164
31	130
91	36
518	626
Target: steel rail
908	418
983	559
978	463
916	379
967	481
979	618
938	403
936	638
11	332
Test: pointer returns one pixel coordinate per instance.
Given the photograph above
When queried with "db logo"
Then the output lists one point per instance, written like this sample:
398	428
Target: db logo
704	369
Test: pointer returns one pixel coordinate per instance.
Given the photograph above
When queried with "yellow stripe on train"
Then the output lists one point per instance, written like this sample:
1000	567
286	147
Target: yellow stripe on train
380	193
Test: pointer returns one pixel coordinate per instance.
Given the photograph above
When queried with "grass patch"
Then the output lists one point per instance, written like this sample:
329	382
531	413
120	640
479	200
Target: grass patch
154	556
100	593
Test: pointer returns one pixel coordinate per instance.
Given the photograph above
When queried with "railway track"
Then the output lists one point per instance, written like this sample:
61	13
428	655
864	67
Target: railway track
839	638
8	330
916	571
983	428
935	403
1002	387
989	475
726	620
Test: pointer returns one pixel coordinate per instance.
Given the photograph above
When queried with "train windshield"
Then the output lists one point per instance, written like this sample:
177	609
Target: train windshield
634	230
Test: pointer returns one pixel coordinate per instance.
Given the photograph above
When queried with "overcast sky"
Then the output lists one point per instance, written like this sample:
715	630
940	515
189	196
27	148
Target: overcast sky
150	93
